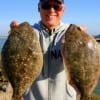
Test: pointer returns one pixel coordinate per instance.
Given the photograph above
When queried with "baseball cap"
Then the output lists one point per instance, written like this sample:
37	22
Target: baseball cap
58	1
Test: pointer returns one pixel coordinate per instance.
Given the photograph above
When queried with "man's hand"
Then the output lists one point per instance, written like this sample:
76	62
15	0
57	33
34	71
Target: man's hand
82	28
14	24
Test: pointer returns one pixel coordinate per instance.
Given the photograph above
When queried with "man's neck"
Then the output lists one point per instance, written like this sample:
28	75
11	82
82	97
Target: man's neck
50	27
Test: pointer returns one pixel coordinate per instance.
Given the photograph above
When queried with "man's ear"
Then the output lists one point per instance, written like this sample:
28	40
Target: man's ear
64	8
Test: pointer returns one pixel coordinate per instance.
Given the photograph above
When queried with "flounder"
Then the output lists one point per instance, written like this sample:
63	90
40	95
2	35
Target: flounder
81	57
6	90
3	78
22	58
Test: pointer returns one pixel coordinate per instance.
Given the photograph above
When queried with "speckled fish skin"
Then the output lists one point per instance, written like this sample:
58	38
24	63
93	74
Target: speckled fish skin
22	58
81	56
4	81
6	90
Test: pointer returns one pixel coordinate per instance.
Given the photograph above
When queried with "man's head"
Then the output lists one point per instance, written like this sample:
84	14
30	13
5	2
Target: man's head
51	12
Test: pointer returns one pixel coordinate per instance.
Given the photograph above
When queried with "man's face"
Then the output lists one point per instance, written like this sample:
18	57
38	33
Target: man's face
51	13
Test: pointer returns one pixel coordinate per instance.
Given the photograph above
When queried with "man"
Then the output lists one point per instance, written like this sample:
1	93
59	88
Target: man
52	83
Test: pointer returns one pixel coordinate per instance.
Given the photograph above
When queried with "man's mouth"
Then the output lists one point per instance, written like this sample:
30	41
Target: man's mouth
50	16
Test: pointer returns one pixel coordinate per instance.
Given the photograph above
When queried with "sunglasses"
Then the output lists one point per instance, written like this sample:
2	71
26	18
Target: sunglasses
46	6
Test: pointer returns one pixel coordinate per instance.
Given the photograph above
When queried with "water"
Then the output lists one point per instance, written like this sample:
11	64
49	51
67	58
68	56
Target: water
97	90
2	41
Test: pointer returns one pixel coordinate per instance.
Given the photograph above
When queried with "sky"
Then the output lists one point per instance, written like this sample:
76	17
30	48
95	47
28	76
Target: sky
79	12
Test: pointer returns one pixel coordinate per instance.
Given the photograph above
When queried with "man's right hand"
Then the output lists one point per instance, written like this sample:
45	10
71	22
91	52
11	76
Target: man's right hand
14	23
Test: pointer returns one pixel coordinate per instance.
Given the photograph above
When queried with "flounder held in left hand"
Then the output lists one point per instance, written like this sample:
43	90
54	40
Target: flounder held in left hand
22	58
81	55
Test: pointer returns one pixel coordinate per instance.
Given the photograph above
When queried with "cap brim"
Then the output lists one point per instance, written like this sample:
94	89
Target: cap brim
46	1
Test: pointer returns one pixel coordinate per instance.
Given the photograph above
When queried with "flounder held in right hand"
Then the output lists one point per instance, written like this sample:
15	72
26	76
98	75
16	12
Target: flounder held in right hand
22	58
81	56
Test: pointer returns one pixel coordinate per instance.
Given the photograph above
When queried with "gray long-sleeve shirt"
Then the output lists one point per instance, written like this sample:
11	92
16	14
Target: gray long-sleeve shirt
52	83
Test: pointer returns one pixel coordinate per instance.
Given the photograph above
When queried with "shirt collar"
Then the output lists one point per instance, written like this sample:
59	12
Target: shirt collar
47	30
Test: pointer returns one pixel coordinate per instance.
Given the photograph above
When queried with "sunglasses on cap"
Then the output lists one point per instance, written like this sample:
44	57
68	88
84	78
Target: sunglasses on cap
46	6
